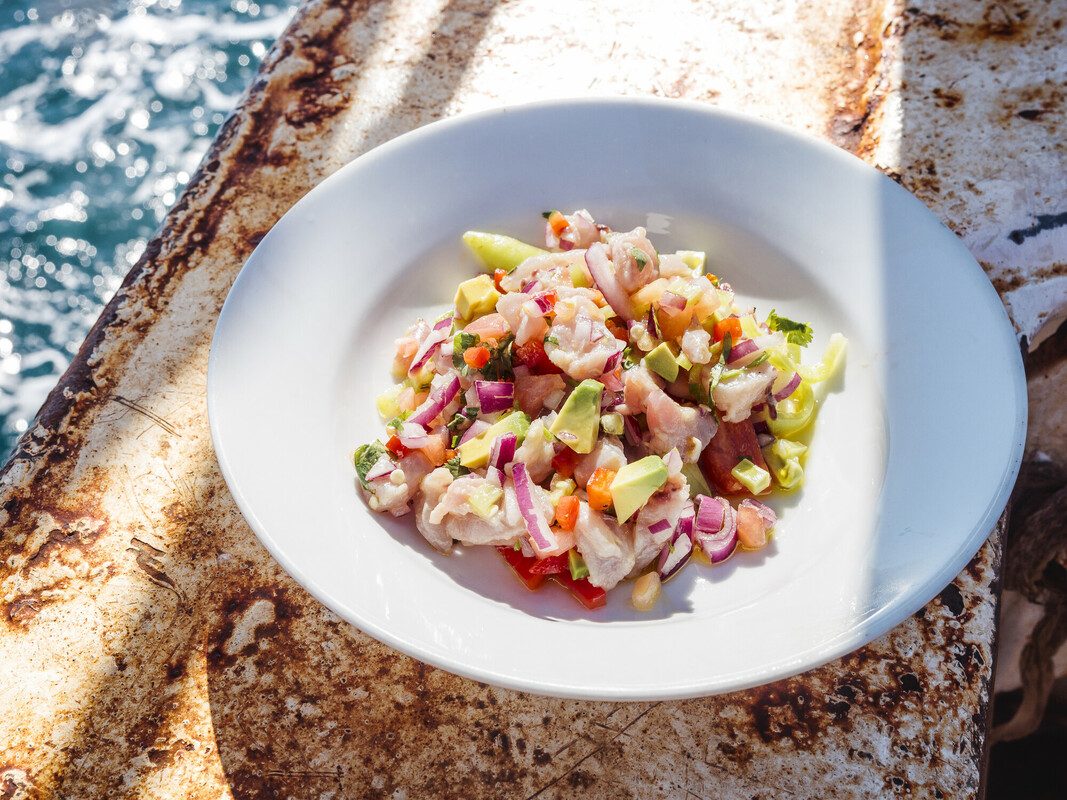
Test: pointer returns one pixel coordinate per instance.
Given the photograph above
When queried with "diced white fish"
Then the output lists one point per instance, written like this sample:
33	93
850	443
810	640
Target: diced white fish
696	344
537	449
666	504
673	425
607	453
579	341
605	546
445	513
550	270
536	392
392	493
526	323
635	259
735	396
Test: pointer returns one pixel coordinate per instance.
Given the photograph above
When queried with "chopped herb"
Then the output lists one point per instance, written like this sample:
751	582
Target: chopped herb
552	340
727	346
499	366
547	214
639	256
460	342
457	469
760	359
795	332
366	457
628	358
462	418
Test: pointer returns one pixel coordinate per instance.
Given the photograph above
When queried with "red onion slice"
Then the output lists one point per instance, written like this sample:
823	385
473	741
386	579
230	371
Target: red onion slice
600	267
430	344
502	450
413	435
652	326
739	350
478	427
438	400
382	467
495	396
495	476
789	388
540	536
613	361
715	528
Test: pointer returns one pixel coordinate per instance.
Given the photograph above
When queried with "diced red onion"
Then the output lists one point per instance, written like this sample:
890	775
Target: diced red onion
608	400
478	427
764	439
674	556
382	467
611	381
413	435
502	450
739	350
583	329
540	536
495	476
436	403
543	301
430	344
633	432
673	461
761	427
600	267
659	526
495	396
672	300
530	286
789	388
613	361
716	537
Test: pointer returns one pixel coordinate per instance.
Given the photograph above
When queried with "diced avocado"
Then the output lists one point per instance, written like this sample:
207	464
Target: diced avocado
577	566
476	297
578	422
635	483
662	361
388	407
684	362
696	260
474	453
580	278
484	500
752	476
499	252
698	484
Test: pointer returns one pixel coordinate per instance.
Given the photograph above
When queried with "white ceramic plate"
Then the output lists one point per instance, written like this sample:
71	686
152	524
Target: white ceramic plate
915	452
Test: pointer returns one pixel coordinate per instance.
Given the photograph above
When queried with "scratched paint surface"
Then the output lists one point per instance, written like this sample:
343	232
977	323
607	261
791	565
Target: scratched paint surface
152	648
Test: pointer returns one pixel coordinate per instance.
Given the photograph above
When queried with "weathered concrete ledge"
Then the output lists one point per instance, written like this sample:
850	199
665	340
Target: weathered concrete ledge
153	648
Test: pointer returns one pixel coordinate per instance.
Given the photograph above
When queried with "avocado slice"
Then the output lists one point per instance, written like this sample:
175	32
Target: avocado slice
635	483
578	422
497	251
474	453
662	361
476	297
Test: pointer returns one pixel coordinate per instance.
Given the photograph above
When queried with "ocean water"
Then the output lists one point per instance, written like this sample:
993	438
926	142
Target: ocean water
106	108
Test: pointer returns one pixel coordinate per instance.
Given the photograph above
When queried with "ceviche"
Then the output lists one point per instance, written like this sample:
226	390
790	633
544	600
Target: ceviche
596	410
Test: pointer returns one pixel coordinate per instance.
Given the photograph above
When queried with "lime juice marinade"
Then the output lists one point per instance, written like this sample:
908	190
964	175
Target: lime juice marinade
596	410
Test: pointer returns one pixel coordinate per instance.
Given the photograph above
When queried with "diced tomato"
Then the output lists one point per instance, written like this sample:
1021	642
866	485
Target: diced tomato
592	597
732	442
564	462
750	528
521	565
599	488
533	355
731	325
618	331
551	565
394	446
498	275
476	357
567	511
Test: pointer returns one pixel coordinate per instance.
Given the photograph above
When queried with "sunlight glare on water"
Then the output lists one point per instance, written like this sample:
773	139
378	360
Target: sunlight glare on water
106	109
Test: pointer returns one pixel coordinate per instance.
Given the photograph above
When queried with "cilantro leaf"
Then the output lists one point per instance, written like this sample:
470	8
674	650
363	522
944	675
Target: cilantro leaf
499	367
453	466
795	332
460	342
365	458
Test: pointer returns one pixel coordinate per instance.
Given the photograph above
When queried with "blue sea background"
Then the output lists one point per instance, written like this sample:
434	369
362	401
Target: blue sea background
106	109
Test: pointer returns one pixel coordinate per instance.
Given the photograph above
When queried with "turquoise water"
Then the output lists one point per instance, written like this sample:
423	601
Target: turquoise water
106	108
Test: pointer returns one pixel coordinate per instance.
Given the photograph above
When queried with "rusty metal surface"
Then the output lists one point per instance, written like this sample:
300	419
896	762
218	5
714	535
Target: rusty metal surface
152	648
